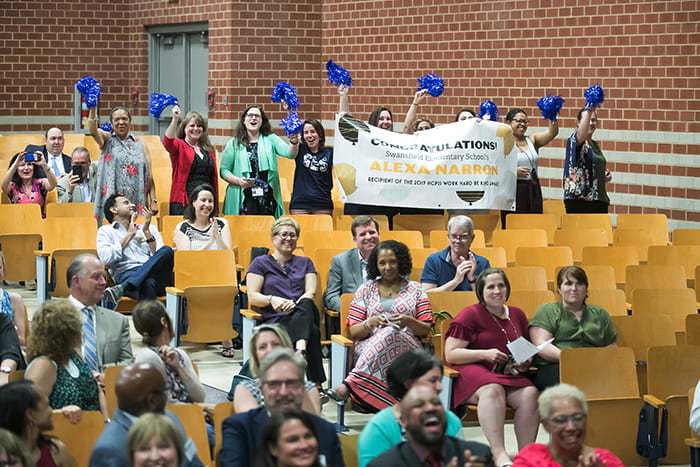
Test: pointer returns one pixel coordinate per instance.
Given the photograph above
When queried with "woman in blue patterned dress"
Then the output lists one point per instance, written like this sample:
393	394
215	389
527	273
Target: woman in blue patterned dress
12	304
125	164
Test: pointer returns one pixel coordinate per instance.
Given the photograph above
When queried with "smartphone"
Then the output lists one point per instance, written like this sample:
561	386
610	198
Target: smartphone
250	180
29	157
78	170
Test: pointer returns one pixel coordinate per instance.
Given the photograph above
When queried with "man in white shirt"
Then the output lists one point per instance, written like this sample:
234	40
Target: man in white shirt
139	263
78	187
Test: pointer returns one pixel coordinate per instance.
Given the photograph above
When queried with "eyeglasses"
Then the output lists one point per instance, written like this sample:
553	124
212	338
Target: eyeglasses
459	238
249	115
276	385
519	120
561	420
286	235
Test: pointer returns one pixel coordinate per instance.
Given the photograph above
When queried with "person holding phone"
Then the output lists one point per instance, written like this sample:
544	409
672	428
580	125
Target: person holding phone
80	184
22	182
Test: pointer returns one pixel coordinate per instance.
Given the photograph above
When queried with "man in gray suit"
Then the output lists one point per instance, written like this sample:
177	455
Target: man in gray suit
112	344
349	269
78	188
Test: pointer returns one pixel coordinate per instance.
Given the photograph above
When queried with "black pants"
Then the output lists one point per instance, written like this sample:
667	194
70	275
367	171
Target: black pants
579	206
302	323
547	376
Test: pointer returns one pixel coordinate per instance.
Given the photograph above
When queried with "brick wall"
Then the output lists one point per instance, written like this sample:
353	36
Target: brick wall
644	53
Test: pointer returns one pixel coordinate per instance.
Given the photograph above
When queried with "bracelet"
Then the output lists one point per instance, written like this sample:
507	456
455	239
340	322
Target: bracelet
150	240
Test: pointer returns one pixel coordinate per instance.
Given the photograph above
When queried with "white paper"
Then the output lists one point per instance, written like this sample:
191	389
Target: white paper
522	349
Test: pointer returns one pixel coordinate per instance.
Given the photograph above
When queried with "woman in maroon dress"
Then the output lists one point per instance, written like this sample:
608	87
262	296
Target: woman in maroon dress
476	348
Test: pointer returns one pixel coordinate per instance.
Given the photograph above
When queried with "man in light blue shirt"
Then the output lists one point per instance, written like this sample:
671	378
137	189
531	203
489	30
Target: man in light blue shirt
139	263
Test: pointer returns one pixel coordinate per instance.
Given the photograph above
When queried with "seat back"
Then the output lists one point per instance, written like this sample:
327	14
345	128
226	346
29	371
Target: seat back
313	222
209	312
322	259
411	238
80	437
638	238
611	300
687	256
526	277
21	219
548	222
556	207
192	418
619	257
641	332
600	276
653	277
345	300
313	240
550	258
419	255
511	240
222	411
495	254
206	267
676	303
588	221
348	445
246	240
686	237
692	329
530	300
259	224
439	240
576	239
423	223
111	376
18	250
69	232
167	228
70	210
656	224
600	372
453	302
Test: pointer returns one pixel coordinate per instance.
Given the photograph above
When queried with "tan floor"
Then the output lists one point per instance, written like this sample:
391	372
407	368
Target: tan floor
217	371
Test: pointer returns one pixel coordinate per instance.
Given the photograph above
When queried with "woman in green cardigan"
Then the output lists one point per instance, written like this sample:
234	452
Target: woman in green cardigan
249	165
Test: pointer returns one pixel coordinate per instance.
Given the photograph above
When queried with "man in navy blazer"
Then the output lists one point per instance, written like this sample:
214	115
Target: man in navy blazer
141	388
282	382
349	269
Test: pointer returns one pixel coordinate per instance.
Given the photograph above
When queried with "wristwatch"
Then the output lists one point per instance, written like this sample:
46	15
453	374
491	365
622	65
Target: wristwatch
5	369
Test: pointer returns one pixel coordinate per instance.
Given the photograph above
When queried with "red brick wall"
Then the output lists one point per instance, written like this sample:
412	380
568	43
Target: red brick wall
644	53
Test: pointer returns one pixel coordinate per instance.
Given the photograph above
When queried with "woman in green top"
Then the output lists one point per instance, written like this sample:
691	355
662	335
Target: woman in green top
249	166
56	368
571	322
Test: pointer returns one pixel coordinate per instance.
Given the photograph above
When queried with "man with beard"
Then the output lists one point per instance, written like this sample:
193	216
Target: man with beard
282	384
424	418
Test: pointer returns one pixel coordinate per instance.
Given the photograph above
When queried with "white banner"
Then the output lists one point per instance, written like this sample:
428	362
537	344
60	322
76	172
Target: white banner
463	165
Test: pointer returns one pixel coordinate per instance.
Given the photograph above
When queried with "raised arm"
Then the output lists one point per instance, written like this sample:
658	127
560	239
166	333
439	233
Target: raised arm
344	106
413	111
101	136
543	138
7	178
172	127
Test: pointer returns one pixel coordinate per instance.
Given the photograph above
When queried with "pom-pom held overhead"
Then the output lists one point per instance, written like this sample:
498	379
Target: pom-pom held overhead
488	110
106	126
550	106
91	89
284	92
292	124
159	102
338	75
431	83
595	95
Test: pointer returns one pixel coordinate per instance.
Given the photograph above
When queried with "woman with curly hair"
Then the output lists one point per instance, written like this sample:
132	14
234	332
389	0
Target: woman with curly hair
58	371
25	412
388	315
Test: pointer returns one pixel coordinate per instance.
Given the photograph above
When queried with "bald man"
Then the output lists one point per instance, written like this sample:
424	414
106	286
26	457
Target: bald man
141	388
423	416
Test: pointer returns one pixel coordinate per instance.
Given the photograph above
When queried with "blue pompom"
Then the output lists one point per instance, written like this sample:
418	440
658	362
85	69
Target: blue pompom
595	95
106	126
285	92
489	108
159	102
431	83
338	75
292	124
91	89
550	106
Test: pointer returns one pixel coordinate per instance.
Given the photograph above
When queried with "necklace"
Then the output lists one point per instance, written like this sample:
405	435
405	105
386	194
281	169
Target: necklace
390	290
507	318
281	264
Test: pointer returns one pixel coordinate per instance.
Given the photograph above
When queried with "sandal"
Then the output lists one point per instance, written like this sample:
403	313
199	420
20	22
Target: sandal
228	352
330	392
